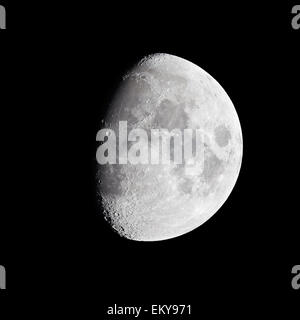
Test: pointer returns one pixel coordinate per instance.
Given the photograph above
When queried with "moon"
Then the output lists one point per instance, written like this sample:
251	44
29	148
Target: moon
145	202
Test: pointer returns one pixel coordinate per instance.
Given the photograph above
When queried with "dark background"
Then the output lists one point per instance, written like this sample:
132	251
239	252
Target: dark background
59	68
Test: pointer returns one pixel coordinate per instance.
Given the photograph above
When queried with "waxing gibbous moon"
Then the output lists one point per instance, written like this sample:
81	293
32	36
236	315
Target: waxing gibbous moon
147	202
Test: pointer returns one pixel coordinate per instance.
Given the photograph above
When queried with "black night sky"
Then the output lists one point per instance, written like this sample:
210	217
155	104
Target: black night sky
60	65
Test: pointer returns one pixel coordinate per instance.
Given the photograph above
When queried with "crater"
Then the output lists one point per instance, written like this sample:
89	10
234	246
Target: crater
222	135
109	179
186	186
170	116
213	166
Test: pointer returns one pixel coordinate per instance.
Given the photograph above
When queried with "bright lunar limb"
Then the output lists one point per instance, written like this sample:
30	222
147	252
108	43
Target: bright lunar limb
147	202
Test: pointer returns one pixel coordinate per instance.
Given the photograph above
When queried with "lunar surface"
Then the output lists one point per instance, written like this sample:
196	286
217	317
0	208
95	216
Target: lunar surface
147	202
